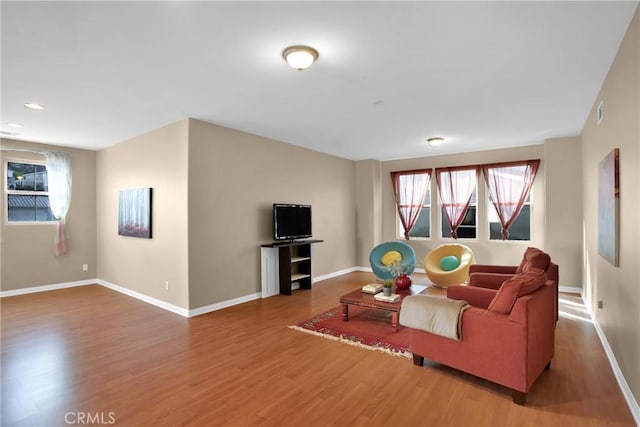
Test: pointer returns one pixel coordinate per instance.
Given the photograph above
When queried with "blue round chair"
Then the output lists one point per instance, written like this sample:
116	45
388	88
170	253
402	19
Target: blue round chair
383	272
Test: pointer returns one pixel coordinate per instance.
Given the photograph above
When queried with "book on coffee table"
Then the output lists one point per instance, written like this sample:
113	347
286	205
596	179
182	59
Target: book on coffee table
384	298
372	288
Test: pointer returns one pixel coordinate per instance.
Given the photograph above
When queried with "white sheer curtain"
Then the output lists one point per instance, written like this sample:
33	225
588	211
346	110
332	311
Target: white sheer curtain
410	189
59	180
456	186
509	184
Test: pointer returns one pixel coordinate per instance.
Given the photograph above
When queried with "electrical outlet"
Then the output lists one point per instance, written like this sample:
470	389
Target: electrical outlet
85	267
166	285
600	304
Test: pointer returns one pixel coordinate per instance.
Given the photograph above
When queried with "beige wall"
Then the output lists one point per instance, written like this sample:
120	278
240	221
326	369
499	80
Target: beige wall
563	193
26	256
554	228
157	159
486	252
369	208
234	178
213	188
617	287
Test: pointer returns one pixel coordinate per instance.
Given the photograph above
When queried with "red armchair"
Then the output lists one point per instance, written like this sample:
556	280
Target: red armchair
492	276
509	348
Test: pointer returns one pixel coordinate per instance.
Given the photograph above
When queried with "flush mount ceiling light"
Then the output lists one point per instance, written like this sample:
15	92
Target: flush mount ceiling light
435	142
300	57
34	106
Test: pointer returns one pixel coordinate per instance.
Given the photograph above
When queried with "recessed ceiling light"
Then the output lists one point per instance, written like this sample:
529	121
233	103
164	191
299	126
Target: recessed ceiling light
34	106
14	125
435	142
300	57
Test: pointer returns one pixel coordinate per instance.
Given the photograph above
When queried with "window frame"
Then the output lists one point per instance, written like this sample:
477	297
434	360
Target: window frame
474	204
528	202
445	180
8	192
427	204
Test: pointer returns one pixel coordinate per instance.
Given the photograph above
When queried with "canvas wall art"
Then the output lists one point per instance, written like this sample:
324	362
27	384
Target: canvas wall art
134	213
609	208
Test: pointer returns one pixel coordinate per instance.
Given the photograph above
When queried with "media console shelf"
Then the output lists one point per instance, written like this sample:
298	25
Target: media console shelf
286	265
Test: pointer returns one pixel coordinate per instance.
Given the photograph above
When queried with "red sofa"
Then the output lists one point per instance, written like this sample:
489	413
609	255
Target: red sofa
510	344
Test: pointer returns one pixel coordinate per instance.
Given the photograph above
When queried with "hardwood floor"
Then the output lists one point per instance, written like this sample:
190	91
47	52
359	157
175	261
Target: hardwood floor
92	354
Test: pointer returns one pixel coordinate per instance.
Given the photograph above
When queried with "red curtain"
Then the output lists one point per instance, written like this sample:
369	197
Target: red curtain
456	186
509	185
410	188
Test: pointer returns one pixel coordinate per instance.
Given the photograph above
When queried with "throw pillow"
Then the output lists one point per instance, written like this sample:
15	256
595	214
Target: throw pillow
449	263
515	287
532	280
391	258
506	296
533	258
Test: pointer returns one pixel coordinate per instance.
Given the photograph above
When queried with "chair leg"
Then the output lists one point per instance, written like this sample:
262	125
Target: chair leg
417	359
518	397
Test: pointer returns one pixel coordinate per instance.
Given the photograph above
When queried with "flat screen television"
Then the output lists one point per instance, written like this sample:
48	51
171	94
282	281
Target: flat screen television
291	222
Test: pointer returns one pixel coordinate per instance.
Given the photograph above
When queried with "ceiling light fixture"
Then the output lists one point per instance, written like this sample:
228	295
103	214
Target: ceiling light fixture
34	106
435	142
300	57
14	125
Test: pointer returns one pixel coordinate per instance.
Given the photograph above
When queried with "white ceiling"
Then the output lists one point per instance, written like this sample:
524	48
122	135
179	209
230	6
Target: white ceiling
390	74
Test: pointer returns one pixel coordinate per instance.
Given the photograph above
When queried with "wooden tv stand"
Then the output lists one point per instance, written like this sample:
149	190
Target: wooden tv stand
284	264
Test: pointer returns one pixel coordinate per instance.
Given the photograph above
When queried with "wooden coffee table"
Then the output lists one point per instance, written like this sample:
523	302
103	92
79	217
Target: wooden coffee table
362	299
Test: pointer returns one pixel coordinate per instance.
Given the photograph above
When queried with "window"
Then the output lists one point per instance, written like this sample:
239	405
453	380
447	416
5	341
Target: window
422	226
509	186
457	189
519	230
467	228
27	192
411	190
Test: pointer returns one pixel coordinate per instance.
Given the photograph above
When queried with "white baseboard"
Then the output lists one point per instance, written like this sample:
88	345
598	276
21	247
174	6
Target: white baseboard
45	288
368	269
617	372
145	298
137	295
570	290
351	270
176	309
335	274
224	304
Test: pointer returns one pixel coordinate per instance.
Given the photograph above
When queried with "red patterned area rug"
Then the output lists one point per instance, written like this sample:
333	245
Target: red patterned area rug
366	328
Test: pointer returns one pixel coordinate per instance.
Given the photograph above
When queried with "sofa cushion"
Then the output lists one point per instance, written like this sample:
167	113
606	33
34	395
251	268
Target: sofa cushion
449	262
515	287
391	258
534	258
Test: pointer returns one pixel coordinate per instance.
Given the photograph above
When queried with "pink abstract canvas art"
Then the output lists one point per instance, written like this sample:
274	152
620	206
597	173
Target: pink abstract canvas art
134	213
608	208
